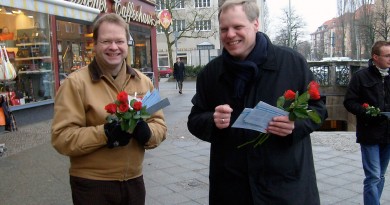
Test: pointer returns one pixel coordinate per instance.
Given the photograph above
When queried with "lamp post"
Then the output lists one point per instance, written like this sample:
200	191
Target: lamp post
176	34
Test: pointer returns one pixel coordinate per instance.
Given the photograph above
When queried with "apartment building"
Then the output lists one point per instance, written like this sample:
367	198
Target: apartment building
196	22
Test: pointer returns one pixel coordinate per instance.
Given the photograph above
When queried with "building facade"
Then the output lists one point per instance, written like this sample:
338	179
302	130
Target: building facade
47	40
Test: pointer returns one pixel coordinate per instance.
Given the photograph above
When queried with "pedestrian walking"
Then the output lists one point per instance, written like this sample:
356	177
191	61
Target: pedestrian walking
368	93
179	73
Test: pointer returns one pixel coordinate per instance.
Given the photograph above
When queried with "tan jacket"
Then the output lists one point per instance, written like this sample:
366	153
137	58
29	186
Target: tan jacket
79	116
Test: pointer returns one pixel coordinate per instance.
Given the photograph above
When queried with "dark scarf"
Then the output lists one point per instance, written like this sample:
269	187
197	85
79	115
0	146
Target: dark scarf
246	71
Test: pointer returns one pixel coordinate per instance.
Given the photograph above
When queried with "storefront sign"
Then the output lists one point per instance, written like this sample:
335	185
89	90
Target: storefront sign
97	4
165	18
129	12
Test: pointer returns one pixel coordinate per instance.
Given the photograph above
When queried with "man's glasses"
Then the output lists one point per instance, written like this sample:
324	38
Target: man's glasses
108	43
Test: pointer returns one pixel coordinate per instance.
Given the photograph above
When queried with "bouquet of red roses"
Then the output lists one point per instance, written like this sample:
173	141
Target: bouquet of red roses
297	107
126	111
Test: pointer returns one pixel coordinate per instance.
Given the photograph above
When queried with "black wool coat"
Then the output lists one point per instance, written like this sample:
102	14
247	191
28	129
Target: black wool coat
280	171
368	86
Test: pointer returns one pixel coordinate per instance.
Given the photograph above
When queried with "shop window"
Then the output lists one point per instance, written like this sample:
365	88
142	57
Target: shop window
141	52
29	49
75	49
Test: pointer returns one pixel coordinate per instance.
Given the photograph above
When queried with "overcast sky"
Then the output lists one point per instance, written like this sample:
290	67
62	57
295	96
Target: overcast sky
313	12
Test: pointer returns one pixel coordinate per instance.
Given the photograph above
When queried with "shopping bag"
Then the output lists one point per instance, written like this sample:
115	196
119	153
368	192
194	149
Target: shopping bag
7	71
2	117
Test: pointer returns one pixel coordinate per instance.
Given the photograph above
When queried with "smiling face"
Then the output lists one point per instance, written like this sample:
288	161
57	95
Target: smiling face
111	46
237	33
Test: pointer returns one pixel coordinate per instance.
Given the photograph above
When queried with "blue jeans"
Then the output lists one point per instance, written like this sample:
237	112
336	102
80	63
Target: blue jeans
375	159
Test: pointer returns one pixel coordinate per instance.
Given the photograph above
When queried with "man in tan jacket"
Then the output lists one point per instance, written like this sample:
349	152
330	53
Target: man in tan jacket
105	162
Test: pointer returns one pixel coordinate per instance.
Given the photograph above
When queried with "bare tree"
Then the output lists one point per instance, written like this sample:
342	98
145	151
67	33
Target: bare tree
365	28
382	19
186	22
342	27
291	31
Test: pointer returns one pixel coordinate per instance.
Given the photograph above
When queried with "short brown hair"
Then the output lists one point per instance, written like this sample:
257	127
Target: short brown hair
111	18
376	48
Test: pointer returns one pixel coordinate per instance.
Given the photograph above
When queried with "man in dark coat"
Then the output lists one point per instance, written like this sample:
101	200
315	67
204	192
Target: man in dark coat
252	69
371	86
178	73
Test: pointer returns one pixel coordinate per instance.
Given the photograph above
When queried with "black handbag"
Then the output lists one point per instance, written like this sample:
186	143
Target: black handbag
23	53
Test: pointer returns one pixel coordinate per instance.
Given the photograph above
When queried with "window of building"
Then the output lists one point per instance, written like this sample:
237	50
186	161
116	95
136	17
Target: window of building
179	25
179	4
163	60
183	57
202	3
160	5
159	29
204	25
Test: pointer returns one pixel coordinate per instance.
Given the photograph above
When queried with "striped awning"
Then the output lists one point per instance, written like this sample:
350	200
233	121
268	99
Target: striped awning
55	7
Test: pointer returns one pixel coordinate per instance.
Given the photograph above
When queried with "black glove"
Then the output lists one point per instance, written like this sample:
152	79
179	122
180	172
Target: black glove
142	132
116	137
374	119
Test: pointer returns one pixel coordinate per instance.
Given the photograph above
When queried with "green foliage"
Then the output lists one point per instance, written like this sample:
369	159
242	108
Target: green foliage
192	71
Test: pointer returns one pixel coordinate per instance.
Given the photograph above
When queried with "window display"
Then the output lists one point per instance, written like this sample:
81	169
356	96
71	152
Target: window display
74	46
32	59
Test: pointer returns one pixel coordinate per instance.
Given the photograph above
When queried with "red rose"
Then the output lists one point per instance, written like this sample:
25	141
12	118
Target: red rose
110	108
289	95
313	90
137	105
123	107
365	105
123	97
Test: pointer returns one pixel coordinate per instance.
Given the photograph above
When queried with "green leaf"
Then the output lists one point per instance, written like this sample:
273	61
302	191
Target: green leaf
132	124
314	116
127	115
303	98
300	113
280	102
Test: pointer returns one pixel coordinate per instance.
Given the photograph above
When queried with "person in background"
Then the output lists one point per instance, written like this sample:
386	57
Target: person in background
252	69
178	73
371	87
105	162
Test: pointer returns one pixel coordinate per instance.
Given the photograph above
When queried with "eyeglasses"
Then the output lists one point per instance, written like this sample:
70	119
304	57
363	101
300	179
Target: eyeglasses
117	42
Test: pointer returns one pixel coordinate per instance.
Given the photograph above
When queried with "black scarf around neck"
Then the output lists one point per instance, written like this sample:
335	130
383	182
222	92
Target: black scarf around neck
246	71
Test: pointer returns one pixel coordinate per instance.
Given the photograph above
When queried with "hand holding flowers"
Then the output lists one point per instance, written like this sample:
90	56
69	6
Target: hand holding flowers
126	112
371	110
297	106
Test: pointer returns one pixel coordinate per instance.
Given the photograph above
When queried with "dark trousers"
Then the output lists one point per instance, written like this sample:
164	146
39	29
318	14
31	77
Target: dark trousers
96	192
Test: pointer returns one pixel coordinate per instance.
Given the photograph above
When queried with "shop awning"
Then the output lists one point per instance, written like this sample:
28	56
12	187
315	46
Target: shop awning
55	7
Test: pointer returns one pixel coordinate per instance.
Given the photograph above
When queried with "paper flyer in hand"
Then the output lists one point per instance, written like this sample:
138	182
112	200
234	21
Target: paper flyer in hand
152	101
258	117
